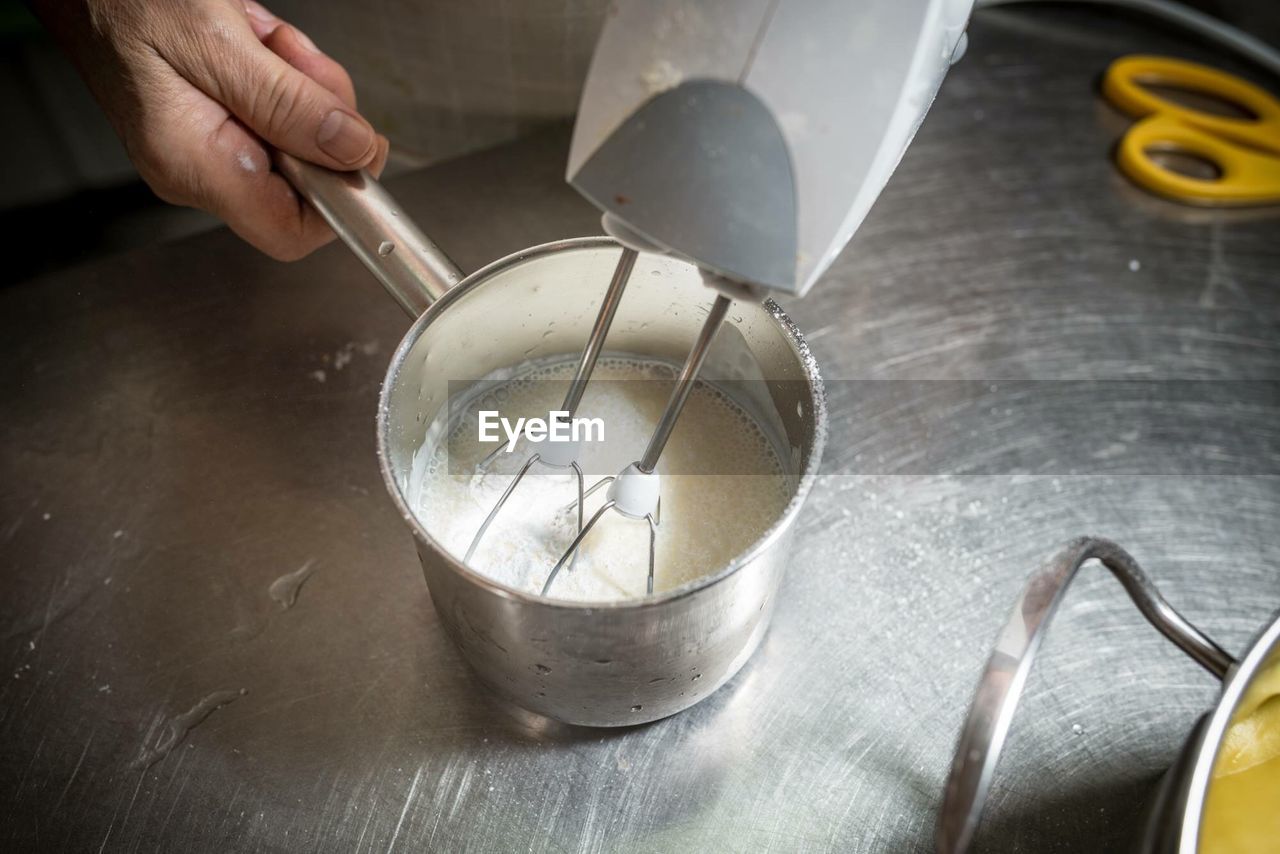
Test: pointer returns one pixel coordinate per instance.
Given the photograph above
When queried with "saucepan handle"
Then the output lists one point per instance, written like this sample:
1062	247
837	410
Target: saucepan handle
1002	681
408	263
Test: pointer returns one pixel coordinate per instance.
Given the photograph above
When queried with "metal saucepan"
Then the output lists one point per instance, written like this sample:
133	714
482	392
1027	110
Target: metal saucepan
596	664
1174	821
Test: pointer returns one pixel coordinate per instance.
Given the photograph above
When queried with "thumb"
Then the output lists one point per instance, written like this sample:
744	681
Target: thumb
279	103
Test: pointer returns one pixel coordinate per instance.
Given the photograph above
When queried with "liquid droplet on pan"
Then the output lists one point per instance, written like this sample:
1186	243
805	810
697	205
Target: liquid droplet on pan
385	248
177	728
284	590
636	708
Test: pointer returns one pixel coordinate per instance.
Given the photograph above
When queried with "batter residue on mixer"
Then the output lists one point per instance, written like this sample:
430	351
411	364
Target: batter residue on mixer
723	486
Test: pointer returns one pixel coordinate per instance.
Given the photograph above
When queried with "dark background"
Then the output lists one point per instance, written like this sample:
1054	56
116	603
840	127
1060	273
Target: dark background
68	192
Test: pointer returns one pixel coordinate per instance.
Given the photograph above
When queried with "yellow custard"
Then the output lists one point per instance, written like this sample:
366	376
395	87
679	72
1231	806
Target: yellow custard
1242	808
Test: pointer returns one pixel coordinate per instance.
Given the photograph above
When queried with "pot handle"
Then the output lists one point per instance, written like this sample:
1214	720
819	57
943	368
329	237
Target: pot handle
1002	680
408	263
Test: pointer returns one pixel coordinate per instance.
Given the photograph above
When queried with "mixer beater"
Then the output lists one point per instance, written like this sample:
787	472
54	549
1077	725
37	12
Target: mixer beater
564	455
635	492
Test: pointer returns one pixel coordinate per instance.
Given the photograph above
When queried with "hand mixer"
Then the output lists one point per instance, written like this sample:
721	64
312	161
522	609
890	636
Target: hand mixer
749	137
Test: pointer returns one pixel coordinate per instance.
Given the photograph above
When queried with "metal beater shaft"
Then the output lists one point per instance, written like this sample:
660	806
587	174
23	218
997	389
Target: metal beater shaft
684	383
661	433
595	342
577	387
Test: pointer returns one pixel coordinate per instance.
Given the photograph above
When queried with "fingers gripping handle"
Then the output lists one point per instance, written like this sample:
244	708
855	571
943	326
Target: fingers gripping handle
408	263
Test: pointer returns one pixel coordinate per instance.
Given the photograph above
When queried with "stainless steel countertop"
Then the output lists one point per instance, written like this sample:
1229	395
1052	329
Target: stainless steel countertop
185	426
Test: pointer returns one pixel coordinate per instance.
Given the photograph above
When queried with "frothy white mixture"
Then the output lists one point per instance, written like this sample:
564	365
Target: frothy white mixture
708	518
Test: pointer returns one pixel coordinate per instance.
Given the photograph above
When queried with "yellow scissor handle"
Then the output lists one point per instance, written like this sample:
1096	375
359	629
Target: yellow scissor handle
1125	85
1247	177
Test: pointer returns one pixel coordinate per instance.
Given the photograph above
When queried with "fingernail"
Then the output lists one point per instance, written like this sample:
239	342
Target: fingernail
260	12
304	40
344	137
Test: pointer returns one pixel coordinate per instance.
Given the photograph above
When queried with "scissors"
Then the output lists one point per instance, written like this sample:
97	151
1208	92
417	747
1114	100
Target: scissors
1245	151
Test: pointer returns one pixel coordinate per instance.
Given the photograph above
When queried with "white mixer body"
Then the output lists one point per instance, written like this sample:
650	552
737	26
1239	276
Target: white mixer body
752	136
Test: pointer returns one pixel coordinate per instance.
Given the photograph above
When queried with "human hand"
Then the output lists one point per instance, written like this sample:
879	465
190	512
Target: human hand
202	92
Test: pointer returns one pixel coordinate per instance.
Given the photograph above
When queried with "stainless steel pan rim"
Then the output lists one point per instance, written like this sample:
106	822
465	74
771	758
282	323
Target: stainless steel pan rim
817	397
1176	814
1237	681
982	737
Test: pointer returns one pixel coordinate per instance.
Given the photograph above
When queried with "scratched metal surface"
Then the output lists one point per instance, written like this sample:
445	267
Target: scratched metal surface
187	426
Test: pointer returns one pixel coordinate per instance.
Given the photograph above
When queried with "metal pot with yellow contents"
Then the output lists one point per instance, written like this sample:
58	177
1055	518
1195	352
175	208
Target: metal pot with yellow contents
1229	801
1218	798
